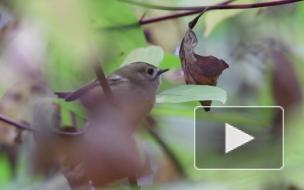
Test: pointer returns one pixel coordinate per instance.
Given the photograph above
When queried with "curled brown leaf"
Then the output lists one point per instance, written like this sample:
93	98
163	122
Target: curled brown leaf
198	69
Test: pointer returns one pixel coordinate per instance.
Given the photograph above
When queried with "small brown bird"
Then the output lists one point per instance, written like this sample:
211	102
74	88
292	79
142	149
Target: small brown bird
106	151
133	86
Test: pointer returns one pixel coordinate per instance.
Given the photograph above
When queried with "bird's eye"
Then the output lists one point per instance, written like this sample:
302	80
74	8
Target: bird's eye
150	71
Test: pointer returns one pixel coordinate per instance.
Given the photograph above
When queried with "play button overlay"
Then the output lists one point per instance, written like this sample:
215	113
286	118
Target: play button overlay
235	138
239	138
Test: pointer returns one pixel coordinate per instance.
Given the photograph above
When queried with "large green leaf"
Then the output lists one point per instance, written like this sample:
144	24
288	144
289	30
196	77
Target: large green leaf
109	19
187	93
152	54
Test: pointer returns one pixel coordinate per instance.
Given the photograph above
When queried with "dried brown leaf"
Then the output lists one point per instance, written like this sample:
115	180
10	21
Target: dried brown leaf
199	70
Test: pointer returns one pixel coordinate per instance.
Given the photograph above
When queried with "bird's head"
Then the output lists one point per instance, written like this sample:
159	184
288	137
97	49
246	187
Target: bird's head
142	74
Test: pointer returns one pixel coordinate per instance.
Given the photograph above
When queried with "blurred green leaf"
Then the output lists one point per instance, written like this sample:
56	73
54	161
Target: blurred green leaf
77	29
5	171
151	54
186	93
109	19
66	28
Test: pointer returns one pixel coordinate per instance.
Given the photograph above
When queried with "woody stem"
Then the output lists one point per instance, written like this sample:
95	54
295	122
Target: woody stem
198	9
16	124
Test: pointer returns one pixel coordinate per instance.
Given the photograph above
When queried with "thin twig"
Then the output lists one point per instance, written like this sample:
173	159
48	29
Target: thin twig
160	7
28	127
199	9
167	17
195	20
143	16
103	80
143	21
167	150
16	124
213	7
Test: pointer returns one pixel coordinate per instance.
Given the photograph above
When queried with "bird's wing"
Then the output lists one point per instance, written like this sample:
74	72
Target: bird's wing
113	80
71	96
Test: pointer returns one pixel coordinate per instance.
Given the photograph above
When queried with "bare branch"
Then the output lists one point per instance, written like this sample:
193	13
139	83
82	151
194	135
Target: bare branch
199	9
214	7
16	124
27	127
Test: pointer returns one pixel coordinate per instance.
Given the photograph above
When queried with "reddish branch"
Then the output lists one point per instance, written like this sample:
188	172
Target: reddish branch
26	127
199	9
168	8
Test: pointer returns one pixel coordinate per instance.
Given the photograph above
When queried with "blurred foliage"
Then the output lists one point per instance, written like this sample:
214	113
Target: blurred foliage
76	30
88	27
152	54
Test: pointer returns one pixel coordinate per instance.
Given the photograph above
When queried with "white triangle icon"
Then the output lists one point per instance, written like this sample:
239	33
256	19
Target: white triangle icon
235	138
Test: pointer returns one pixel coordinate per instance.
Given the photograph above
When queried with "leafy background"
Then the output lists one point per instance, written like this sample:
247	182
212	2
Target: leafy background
75	29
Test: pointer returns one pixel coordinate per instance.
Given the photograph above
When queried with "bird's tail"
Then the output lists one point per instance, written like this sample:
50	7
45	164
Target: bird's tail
64	95
206	105
71	96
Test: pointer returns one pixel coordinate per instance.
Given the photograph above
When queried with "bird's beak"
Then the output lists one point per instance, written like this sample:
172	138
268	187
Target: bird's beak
161	71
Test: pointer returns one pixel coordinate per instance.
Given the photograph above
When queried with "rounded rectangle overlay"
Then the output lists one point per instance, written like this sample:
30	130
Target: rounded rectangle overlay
264	150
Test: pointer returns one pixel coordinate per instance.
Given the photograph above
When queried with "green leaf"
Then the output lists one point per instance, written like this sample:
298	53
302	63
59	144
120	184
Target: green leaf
187	93
152	55
5	172
109	19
